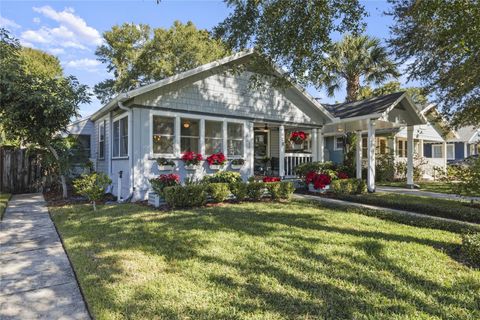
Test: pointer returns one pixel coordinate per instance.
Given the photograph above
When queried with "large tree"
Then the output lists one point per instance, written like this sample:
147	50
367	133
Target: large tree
439	41
418	94
355	59
293	33
36	105
138	54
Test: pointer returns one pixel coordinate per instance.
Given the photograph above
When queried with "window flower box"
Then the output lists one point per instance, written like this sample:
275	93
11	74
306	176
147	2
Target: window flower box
191	167
191	160
216	161
215	166
318	182
237	164
311	188
165	164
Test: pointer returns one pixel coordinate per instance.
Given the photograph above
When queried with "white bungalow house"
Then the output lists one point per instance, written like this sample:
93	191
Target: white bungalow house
214	108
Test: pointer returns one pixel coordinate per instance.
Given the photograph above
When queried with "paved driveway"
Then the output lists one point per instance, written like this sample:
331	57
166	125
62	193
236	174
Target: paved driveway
36	279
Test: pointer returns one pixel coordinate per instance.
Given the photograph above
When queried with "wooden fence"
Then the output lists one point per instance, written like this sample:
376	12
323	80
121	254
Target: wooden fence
20	170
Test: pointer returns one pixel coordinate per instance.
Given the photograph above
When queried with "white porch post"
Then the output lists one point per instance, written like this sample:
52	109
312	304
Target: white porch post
224	135
371	156
420	148
202	137
249	138
281	148
321	146
176	146
444	155
314	145
358	158
410	156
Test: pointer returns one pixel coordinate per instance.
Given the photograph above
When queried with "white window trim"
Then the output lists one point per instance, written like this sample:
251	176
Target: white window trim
202	118
441	150
335	148
101	124
403	149
117	118
453	146
234	139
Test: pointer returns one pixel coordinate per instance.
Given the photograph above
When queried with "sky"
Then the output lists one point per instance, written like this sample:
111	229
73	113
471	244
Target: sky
71	30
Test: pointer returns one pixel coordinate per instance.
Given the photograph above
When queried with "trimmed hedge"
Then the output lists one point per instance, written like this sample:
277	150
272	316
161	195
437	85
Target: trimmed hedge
218	191
223	177
471	248
255	190
451	209
273	189
185	196
239	190
348	186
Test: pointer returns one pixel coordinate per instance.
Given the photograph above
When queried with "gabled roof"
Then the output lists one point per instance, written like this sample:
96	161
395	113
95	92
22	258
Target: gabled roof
209	67
375	105
466	134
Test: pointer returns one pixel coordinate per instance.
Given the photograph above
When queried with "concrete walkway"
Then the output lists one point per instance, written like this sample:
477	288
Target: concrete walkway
36	279
417	192
367	206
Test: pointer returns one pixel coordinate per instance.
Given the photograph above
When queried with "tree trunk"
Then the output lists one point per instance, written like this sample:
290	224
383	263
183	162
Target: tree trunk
94	206
353	88
62	176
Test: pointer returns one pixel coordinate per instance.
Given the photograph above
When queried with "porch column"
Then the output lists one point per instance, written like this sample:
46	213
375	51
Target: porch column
420	148
281	148
444	155
249	133
371	156
410	157
176	145
202	137
314	145
358	157
224	135
321	146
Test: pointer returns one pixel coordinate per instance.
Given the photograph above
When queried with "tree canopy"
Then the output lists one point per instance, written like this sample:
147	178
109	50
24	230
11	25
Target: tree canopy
418	94
37	62
355	59
439	40
294	34
136	54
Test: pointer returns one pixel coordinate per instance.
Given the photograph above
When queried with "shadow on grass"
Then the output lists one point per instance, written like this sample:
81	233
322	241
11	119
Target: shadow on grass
308	283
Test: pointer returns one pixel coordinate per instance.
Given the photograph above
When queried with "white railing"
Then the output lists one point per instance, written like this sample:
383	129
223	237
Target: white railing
292	160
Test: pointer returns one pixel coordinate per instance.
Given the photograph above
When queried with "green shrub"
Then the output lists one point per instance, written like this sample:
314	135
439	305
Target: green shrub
92	186
239	190
348	186
286	190
185	196
273	189
218	191
469	179
255	190
471	248
223	177
316	166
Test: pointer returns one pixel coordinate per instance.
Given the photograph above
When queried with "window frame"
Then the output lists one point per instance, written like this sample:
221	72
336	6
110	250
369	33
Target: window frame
201	118
101	131
182	136
403	149
434	146
335	143
164	155
242	138
452	145
118	119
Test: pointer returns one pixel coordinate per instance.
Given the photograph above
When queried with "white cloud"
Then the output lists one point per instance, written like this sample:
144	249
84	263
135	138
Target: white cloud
7	23
36	20
56	51
85	63
72	31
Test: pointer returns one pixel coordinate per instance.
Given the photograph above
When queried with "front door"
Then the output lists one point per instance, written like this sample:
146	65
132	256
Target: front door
261	151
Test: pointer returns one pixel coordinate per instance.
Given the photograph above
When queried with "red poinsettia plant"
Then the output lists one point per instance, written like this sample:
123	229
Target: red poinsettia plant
192	158
271	179
164	180
216	158
298	137
319	180
342	175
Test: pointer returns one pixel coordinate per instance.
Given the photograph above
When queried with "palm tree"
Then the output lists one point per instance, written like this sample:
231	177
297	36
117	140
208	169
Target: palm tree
353	59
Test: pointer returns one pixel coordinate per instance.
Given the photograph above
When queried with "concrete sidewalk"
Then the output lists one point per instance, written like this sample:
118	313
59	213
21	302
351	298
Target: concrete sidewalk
416	192
36	279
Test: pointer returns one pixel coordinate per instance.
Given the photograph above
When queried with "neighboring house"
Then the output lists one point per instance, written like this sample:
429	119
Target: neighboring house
428	138
83	131
214	108
465	143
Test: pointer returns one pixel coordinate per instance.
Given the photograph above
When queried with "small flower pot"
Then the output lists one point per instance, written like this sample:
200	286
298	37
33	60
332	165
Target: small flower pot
312	189
215	166
166	168
155	200
191	167
236	166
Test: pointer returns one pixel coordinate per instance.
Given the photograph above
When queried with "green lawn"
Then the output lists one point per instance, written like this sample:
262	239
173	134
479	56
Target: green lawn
264	261
3	203
440	187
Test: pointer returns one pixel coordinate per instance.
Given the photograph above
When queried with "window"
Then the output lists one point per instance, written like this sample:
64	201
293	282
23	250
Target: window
235	139
189	135
338	143
120	137
101	140
436	151
402	148
450	151
383	145
163	135
213	137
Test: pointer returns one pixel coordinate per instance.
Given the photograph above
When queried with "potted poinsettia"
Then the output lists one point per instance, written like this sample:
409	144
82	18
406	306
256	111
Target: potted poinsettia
237	164
216	160
298	137
318	182
192	160
165	164
158	184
